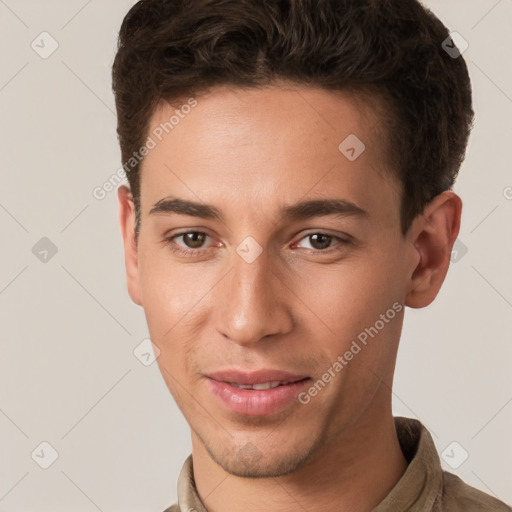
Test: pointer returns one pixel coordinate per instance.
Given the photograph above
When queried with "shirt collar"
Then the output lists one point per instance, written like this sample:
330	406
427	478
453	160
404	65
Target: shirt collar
422	482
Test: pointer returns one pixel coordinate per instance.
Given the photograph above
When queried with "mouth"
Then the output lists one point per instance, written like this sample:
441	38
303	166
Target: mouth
258	393
263	385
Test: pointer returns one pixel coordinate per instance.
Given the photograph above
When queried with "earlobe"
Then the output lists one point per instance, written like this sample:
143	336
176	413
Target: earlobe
431	240
127	224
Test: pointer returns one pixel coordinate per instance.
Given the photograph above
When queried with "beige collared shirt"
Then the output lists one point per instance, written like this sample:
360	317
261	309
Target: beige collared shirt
424	487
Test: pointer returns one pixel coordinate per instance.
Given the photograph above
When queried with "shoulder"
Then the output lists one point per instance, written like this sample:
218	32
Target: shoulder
459	496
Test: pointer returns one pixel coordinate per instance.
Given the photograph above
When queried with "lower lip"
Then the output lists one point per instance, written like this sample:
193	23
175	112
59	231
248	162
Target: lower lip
252	402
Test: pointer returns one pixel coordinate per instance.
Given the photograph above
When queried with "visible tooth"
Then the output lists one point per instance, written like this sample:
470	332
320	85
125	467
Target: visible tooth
241	386
258	387
267	385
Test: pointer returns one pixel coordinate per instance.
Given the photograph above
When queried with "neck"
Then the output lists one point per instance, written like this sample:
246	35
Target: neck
354	475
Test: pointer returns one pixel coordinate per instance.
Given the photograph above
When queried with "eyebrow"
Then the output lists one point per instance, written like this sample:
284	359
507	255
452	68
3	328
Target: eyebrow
298	211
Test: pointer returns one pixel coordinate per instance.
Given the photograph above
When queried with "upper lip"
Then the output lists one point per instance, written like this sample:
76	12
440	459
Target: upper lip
255	377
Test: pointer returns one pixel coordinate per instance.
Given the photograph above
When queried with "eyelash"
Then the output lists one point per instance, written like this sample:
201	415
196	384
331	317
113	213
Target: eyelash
194	252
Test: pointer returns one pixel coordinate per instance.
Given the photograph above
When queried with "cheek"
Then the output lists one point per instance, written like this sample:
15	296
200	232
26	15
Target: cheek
348	301
163	302
174	300
347	296
168	289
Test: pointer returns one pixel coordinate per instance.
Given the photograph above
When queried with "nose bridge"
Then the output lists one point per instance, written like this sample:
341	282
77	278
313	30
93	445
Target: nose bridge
251	301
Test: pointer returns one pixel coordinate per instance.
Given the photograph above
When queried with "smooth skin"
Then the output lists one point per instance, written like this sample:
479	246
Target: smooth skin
298	306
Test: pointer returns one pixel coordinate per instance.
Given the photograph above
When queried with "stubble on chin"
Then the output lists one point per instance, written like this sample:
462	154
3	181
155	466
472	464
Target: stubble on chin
251	461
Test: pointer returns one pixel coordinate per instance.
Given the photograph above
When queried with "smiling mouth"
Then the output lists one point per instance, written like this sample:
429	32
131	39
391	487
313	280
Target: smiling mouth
255	393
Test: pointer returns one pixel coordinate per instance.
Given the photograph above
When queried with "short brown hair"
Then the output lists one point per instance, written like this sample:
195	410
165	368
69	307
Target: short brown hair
170	49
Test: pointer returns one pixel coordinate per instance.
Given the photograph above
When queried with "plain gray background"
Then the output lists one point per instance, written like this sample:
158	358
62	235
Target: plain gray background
68	373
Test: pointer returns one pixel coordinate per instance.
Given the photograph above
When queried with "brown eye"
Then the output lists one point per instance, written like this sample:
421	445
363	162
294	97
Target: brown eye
189	243
194	239
320	241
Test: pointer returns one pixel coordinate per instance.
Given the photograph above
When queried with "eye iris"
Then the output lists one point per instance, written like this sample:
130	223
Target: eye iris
319	239
194	240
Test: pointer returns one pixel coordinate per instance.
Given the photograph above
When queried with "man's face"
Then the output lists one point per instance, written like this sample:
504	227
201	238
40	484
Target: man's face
259	291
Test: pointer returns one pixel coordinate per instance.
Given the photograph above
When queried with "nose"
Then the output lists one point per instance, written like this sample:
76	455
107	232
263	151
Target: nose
252	302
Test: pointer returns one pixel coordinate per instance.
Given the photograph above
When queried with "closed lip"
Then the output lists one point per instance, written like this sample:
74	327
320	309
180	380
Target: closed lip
255	377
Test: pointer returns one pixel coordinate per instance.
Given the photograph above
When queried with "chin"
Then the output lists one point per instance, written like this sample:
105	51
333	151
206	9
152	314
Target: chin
248	461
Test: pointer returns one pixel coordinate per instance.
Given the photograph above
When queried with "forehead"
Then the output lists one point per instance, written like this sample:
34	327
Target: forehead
246	146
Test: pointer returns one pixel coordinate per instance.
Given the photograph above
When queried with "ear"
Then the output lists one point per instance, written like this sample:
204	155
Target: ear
127	223
432	236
